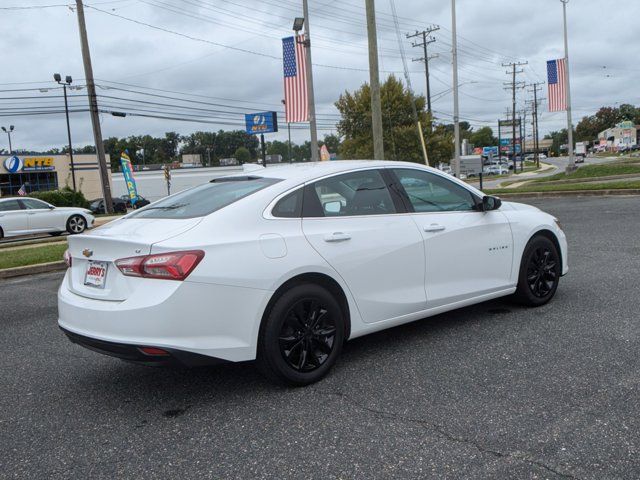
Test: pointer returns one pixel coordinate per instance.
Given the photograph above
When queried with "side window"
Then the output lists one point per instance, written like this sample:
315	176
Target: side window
290	206
9	205
356	193
428	192
32	204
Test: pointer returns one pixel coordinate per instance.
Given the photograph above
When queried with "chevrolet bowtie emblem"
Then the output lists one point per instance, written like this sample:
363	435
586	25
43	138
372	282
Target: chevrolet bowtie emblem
87	253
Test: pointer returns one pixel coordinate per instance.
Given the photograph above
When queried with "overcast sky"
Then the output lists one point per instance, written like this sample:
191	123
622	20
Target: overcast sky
36	42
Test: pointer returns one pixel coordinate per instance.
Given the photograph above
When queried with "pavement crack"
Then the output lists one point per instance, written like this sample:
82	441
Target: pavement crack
519	456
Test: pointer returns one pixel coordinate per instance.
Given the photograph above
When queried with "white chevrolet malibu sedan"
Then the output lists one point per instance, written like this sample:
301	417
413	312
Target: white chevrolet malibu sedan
283	265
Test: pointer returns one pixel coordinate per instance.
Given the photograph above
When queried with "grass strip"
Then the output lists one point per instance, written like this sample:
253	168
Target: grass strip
565	187
591	171
31	256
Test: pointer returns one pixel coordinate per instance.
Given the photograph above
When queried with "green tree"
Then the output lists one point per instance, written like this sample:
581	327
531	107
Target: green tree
483	137
277	147
201	143
397	119
243	155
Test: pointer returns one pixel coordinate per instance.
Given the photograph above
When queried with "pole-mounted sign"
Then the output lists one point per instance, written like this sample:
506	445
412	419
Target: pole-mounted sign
261	123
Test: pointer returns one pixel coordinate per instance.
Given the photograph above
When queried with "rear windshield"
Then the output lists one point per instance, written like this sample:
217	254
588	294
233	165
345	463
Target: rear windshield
205	199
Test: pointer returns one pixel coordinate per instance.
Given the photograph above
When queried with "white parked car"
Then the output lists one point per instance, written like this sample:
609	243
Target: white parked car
285	264
24	215
496	170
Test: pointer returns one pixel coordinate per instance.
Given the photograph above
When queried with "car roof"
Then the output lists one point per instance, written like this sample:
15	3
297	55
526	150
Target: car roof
310	170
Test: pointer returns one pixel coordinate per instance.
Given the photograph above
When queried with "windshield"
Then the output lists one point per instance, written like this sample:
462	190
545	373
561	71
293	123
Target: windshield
204	199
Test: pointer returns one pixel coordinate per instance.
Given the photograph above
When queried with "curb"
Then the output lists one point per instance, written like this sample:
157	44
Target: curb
571	193
32	269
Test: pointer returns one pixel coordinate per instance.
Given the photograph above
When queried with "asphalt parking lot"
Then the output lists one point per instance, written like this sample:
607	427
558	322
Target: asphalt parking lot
490	391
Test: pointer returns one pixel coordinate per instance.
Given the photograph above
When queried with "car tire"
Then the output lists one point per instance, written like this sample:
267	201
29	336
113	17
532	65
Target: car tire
301	337
76	224
539	275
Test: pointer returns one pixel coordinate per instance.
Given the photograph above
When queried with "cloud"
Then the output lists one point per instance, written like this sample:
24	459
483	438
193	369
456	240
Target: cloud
39	42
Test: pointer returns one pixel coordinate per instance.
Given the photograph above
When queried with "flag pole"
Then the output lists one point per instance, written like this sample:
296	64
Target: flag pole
572	165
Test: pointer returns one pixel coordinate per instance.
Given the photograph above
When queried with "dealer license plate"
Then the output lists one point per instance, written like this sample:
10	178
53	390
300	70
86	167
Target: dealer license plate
96	274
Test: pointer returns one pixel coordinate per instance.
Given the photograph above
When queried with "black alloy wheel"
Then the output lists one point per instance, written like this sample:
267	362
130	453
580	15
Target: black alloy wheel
302	335
307	335
540	271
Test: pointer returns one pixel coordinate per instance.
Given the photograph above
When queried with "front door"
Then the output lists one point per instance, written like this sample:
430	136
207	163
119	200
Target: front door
40	216
351	221
468	252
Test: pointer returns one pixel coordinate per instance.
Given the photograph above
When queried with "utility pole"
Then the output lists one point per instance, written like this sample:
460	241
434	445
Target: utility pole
536	144
315	152
523	138
456	110
93	106
514	85
425	56
572	164
374	80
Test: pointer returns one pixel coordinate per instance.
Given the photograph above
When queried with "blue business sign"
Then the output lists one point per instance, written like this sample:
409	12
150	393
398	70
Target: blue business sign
261	122
13	164
486	151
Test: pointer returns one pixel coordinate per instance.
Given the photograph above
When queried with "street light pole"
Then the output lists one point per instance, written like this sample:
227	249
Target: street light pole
8	132
572	165
57	77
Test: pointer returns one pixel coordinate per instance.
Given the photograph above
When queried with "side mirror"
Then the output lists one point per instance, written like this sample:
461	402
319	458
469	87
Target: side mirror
51	207
490	203
332	207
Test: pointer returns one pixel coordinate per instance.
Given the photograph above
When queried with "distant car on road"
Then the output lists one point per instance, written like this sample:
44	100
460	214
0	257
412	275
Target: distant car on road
139	203
24	216
119	205
284	265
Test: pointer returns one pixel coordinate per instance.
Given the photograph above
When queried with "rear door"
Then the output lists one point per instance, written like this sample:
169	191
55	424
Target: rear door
352	220
13	218
468	252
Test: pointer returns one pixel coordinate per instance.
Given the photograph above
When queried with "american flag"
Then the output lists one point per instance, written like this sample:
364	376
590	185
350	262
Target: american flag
556	78
295	82
23	190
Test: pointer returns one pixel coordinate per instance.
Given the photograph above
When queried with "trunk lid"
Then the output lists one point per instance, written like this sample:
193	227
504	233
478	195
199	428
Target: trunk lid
125	237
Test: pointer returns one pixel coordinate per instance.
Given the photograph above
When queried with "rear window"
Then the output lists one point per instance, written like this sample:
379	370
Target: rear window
205	199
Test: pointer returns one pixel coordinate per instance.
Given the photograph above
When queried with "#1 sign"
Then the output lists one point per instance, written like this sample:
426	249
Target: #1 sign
261	122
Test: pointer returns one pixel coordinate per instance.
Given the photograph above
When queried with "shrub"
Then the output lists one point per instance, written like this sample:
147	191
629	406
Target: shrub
62	198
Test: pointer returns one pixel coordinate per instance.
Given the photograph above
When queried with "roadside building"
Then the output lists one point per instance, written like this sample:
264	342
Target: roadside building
623	136
50	172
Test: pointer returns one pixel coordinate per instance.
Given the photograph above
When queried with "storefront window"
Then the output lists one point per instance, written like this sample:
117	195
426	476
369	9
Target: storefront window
10	183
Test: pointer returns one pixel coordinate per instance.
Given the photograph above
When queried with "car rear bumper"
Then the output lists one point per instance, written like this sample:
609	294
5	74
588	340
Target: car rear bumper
136	354
215	321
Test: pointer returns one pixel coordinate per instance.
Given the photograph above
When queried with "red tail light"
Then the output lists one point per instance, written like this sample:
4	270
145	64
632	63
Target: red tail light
170	265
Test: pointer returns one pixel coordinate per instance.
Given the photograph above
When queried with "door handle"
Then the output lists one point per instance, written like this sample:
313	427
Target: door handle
337	237
434	227
31	213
